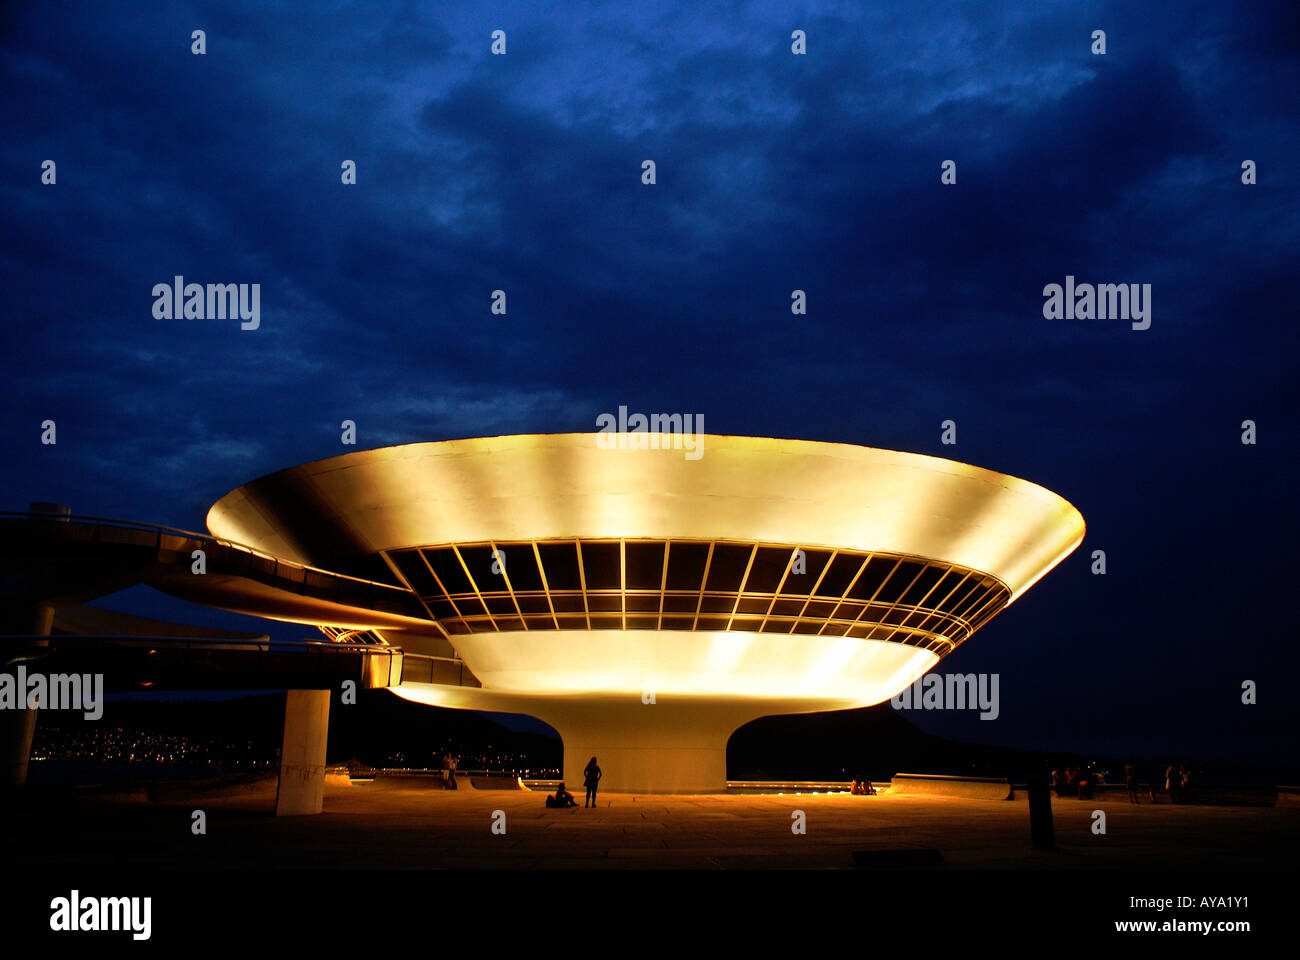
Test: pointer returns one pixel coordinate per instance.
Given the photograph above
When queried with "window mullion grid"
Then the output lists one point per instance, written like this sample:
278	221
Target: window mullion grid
446	595
546	587
704	578
919	606
844	597
967	600
899	603
971	601
938	612
383	555
986	610
789	564
830	561
505	576
753	552
663	586
582	580
477	592
863	616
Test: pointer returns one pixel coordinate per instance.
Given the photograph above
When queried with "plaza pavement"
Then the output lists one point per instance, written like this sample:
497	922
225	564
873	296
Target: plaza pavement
387	826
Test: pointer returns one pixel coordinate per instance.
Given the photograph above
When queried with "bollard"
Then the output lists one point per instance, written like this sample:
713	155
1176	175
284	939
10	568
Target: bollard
1041	831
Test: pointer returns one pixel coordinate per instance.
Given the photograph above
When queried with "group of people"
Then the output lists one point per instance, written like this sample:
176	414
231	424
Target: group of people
1076	782
1177	783
862	788
591	775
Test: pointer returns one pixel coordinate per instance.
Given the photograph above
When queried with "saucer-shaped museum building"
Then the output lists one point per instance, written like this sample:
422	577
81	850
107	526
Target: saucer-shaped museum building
646	604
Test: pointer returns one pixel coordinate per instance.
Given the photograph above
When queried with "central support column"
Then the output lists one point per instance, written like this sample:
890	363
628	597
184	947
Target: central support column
302	753
670	746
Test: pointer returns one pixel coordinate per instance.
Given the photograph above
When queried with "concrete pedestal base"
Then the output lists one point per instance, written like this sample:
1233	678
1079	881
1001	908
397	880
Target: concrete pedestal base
302	753
676	745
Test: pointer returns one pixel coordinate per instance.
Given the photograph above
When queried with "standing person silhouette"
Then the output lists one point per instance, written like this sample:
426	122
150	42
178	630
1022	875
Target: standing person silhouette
591	775
449	771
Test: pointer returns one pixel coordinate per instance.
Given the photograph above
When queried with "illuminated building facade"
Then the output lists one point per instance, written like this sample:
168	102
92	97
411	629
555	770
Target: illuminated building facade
644	603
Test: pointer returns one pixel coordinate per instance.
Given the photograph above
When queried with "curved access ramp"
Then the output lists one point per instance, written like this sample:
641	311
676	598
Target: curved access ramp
67	560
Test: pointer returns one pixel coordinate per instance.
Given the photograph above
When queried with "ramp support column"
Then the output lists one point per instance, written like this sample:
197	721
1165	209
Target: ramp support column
18	727
302	753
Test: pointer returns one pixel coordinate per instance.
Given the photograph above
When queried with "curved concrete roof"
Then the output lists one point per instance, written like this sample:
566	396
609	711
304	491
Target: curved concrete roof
566	485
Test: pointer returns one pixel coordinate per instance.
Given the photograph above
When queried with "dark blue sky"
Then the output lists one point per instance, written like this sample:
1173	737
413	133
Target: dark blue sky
775	172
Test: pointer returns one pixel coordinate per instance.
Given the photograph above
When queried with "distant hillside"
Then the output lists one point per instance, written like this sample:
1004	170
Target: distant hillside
875	742
384	730
878	742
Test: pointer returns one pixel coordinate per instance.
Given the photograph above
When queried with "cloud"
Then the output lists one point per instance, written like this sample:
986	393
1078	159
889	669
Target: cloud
775	173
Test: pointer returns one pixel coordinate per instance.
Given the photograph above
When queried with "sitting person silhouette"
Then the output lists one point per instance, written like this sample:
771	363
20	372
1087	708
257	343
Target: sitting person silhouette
562	798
